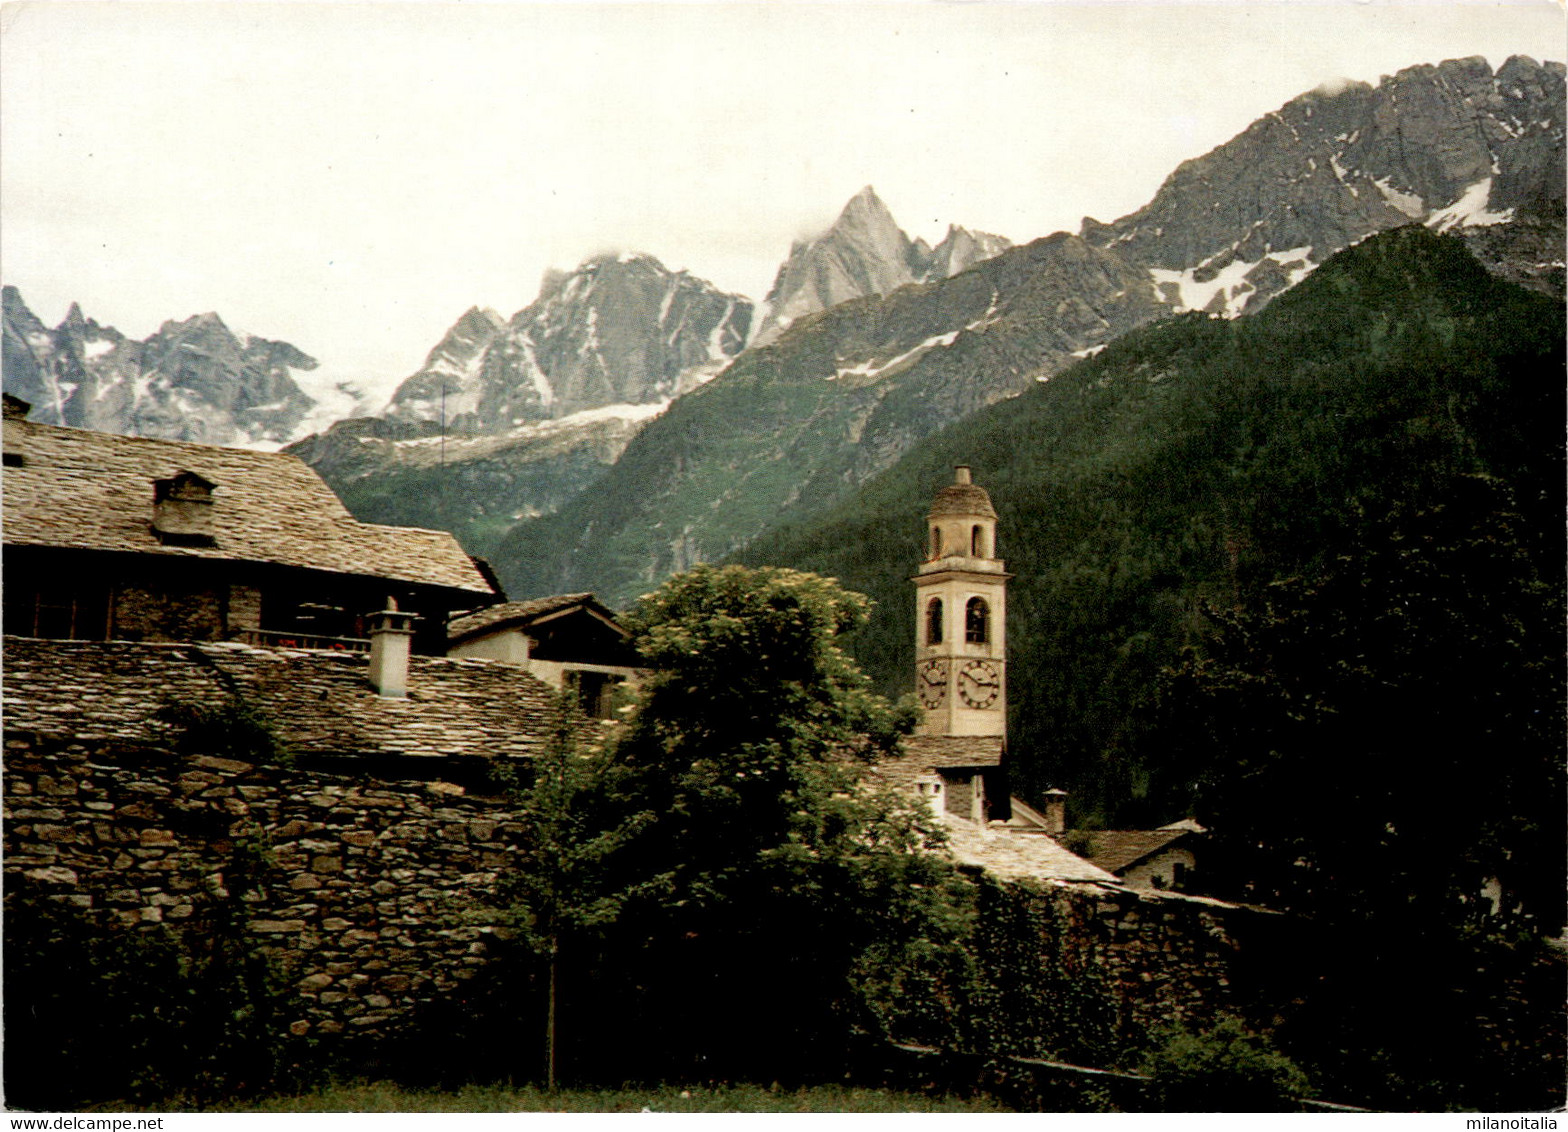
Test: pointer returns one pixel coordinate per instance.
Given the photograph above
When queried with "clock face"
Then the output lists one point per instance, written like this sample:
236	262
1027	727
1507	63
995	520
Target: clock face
932	683
979	684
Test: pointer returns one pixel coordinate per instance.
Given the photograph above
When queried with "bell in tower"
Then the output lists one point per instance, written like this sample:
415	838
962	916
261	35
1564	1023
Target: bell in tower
960	617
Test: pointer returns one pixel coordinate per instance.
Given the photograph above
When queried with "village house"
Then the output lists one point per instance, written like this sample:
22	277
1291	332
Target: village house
571	642
124	538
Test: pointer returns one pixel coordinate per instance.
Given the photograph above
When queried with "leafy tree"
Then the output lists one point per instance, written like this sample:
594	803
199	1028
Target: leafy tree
559	892
1385	740
1379	748
772	882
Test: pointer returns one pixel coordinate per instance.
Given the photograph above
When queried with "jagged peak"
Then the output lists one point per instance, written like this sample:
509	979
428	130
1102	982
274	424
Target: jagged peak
865	205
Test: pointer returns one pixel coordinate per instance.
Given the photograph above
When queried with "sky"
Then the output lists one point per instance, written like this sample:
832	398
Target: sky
351	178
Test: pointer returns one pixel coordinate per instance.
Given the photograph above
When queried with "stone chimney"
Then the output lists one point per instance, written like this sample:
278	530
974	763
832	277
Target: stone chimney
1055	812
16	411
182	510
961	474
390	639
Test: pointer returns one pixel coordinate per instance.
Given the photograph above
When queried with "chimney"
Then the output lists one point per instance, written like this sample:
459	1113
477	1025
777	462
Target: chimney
16	411
182	510
390	638
961	474
1055	812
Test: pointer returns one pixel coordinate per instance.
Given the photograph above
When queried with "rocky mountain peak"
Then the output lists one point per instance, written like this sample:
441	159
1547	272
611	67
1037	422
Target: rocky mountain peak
191	380
865	252
1451	145
620	329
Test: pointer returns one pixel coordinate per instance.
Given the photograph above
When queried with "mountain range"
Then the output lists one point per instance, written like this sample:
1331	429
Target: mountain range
633	420
797	423
194	380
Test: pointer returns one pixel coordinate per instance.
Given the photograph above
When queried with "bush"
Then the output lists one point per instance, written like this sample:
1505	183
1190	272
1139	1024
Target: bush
153	1016
1225	1069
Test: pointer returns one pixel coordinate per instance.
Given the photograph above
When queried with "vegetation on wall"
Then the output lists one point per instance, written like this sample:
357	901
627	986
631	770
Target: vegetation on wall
181	1018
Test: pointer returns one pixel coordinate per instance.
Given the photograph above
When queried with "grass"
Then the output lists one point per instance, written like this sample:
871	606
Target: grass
382	1096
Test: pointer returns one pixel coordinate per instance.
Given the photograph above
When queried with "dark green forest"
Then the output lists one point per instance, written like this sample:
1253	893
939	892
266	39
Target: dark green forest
1173	478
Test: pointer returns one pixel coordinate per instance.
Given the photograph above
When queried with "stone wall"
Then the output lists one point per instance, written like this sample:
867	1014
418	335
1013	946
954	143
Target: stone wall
372	893
1166	958
374	882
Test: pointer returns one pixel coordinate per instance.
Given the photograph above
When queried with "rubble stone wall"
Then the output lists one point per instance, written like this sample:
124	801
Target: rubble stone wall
372	894
1166	959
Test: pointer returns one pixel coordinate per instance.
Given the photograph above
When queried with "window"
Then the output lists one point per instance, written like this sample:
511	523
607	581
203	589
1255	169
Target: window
61	612
934	621
936	543
977	542
977	621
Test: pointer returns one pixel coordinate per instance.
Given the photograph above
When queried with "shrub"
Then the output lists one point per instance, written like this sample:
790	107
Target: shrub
1225	1069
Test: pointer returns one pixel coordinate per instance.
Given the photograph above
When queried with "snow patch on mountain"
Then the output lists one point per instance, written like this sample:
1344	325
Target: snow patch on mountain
1470	210
1228	291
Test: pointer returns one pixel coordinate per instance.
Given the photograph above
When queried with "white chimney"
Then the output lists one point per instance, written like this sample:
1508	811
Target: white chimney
390	638
961	474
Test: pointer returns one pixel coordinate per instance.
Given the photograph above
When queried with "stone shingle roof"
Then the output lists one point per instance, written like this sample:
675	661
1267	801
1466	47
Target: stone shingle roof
319	702
518	614
963	499
956	750
1118	849
1014	855
94	491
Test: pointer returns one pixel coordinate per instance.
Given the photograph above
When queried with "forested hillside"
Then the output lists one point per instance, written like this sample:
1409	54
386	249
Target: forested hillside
1194	462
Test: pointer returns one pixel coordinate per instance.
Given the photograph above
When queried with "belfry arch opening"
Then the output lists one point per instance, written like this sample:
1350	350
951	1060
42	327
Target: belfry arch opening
934	621
977	621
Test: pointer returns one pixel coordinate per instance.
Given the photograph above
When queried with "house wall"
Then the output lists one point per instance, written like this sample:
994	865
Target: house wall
1159	871
173	609
509	647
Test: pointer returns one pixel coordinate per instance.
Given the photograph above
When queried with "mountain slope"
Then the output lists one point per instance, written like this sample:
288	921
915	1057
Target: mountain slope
839	396
1197	460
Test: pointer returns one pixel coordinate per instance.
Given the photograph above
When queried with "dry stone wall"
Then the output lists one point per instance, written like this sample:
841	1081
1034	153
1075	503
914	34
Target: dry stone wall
373	886
1167	959
372	892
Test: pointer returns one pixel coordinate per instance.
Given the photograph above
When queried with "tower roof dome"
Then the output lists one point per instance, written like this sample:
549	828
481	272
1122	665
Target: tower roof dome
962	497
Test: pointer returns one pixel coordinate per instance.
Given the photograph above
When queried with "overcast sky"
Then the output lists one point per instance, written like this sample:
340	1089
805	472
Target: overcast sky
352	178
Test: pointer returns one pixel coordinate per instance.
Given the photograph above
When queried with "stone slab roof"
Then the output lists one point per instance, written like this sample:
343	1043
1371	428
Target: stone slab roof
956	750
94	491
1014	855
320	703
925	753
519	614
1118	849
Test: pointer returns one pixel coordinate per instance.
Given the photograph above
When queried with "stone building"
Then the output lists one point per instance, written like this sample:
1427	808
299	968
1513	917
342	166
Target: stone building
571	642
123	538
1164	858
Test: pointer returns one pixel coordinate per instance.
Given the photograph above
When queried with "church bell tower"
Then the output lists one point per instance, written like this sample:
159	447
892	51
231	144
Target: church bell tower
961	617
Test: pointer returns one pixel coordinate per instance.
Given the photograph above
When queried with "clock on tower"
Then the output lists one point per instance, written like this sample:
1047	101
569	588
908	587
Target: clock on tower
960	617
